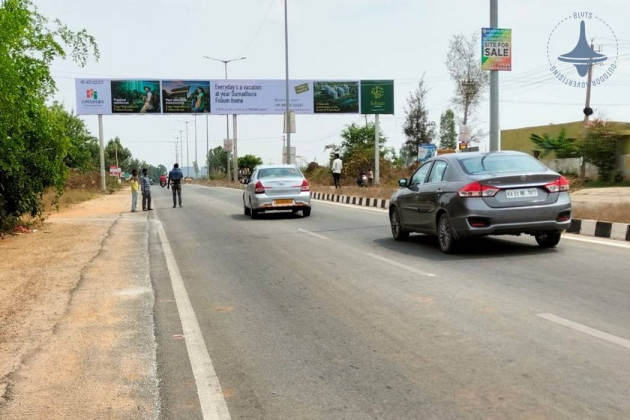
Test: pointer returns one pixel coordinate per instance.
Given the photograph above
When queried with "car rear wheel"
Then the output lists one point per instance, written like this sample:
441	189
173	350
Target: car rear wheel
446	238
253	212
548	239
398	232
246	210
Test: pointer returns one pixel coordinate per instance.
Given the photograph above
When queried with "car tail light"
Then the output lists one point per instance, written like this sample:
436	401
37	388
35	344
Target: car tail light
476	189
259	189
305	186
559	185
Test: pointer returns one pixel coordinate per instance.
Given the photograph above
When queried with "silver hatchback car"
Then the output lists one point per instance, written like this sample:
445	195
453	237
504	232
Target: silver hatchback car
276	187
463	195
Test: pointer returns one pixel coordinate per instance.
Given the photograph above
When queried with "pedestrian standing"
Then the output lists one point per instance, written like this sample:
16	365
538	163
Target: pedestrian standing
337	166
370	177
134	189
145	186
175	178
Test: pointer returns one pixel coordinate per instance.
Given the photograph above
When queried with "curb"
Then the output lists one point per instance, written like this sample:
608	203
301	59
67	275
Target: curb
587	227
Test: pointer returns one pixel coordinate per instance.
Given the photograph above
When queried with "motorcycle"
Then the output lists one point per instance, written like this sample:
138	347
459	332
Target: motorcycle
162	183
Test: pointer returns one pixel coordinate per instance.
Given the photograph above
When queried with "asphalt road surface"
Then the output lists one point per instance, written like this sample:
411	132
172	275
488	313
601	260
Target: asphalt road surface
327	317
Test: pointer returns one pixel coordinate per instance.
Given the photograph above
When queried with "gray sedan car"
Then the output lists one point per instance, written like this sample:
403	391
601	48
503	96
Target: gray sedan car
276	187
462	195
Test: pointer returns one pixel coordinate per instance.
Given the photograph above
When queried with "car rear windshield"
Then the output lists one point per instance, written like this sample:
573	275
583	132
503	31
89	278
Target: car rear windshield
500	164
279	173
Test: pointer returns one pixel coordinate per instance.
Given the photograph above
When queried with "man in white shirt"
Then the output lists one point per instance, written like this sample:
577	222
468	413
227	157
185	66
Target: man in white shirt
337	165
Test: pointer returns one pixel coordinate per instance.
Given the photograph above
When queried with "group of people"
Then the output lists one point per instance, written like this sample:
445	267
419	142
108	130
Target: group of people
364	179
175	177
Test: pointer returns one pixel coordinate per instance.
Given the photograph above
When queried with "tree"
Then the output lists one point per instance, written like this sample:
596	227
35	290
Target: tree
600	145
83	149
217	161
462	62
418	129
357	147
33	139
115	153
448	136
561	145
249	161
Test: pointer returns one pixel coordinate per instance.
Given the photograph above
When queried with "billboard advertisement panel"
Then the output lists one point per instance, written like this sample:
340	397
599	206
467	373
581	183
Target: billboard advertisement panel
377	96
337	97
239	97
496	49
135	96
93	96
260	96
185	96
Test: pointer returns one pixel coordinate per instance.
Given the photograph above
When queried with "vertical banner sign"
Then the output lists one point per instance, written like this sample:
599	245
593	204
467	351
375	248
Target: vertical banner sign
185	96
93	96
334	97
496	49
377	96
136	96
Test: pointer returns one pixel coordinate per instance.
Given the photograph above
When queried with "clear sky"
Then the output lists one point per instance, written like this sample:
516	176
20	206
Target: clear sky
335	39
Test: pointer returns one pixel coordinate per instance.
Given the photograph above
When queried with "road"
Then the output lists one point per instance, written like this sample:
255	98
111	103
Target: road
328	317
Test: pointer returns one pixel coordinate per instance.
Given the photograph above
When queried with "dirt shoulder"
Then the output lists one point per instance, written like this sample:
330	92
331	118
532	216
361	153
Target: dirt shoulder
76	326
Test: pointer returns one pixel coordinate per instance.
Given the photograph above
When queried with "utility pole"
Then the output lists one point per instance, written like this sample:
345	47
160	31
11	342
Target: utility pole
588	111
287	116
495	144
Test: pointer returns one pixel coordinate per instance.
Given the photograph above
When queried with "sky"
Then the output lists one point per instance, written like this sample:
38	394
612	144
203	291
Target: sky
403	40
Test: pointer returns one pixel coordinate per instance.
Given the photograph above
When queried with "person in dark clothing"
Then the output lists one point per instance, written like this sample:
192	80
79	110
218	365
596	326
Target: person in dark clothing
145	187
175	177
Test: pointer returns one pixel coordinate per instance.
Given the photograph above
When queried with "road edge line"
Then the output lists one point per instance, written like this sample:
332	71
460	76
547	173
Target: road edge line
213	405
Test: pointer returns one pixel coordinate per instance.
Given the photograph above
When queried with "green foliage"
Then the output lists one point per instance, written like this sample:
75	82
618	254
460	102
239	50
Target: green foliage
448	136
357	148
34	138
249	161
217	162
562	146
115	152
600	145
417	127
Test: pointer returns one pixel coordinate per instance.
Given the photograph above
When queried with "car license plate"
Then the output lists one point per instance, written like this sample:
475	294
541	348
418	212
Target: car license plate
283	202
522	193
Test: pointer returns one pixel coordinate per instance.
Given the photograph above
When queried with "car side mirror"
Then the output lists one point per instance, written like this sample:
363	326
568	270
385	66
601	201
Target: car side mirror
402	182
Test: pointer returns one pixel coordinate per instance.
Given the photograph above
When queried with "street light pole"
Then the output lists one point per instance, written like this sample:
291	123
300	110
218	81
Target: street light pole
287	117
227	117
187	151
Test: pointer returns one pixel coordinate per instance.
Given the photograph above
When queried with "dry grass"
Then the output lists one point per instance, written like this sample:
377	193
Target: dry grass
619	213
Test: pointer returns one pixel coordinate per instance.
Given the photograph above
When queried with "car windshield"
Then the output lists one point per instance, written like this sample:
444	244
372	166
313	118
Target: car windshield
500	164
279	173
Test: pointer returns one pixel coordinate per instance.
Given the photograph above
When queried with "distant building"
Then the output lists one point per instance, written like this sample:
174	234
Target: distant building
519	139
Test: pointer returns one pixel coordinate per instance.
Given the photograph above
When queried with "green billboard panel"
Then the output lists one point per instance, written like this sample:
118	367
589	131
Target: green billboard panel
336	97
377	96
135	96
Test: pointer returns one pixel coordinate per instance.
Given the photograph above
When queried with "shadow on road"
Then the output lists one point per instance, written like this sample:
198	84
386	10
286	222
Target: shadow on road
470	249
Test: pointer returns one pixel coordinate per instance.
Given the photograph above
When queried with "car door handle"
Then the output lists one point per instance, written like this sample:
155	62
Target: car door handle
439	190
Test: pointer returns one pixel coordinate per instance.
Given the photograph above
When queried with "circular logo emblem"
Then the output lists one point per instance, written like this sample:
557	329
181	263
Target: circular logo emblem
377	92
572	49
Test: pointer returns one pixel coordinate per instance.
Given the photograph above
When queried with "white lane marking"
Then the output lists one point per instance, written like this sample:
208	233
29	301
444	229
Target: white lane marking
587	330
312	234
399	265
213	406
595	240
350	206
